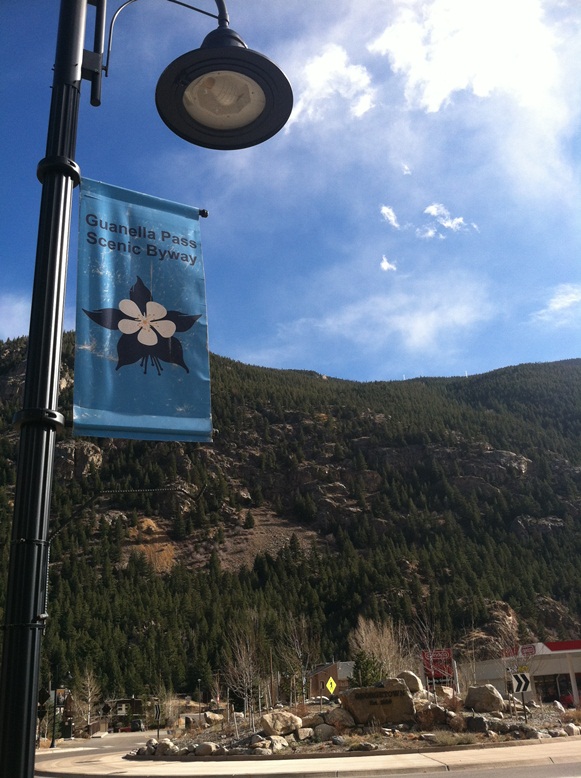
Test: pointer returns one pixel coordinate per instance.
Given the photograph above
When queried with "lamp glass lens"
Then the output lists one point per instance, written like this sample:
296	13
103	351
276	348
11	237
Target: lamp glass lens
224	100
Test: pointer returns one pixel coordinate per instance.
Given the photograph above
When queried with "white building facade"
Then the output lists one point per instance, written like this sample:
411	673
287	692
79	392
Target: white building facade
554	669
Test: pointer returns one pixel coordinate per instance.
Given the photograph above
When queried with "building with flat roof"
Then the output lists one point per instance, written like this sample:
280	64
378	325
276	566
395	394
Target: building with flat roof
340	672
554	668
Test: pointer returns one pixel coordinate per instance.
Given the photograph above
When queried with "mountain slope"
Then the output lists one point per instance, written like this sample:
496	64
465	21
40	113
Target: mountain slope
440	502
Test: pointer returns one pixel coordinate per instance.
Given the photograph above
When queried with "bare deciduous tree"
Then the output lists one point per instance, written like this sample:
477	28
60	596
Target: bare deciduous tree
242	670
216	688
87	697
169	705
390	645
297	651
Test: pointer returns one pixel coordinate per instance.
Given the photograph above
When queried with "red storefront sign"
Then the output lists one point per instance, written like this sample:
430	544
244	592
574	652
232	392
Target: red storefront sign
438	663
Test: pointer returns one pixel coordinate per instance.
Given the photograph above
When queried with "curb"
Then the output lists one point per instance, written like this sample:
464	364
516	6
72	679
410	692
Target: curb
432	759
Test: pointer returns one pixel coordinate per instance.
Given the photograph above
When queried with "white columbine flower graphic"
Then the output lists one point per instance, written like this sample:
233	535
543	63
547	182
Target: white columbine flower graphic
148	330
149	326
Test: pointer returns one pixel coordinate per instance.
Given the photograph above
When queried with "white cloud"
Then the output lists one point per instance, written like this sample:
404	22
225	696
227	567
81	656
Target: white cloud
15	316
443	219
564	307
446	46
428	232
330	76
386	264
432	318
432	314
362	104
442	216
519	58
389	215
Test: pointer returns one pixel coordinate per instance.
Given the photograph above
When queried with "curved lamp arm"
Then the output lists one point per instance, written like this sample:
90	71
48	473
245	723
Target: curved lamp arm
221	16
220	96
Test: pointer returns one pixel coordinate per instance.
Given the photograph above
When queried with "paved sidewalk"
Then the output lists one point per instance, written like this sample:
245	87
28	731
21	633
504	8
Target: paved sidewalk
85	762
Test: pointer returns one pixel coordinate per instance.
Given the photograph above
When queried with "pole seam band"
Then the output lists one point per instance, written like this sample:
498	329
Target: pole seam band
64	165
52	419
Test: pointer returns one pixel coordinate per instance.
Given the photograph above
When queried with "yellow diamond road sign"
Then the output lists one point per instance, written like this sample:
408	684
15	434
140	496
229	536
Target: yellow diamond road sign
331	685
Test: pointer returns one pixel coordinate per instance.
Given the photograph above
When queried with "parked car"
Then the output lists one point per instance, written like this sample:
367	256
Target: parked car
137	725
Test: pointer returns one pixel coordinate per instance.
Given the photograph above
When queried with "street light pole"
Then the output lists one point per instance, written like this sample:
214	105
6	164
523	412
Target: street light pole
199	701
40	419
55	684
221	96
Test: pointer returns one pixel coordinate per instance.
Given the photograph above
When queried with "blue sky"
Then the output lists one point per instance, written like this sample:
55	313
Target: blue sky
420	214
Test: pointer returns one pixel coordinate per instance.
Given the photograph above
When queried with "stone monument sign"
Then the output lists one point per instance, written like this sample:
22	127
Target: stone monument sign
390	702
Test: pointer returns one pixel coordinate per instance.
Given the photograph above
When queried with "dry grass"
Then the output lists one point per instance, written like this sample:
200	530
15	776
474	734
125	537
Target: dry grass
161	556
445	738
303	711
573	716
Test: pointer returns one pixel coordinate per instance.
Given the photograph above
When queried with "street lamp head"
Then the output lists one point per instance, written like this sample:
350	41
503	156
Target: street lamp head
224	95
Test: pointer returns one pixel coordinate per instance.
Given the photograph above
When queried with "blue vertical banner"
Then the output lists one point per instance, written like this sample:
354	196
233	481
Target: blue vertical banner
141	358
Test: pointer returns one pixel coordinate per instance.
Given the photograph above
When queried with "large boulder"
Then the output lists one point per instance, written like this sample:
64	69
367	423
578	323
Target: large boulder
446	695
476	724
206	749
213	718
389	703
280	722
339	718
166	747
324	732
256	739
430	715
412	681
483	699
312	720
455	722
278	743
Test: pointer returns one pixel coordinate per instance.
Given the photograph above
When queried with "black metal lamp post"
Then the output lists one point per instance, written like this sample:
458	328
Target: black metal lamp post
234	98
54	711
55	684
200	701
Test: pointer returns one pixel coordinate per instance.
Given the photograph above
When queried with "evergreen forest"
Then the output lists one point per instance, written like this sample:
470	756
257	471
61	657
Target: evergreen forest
321	502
